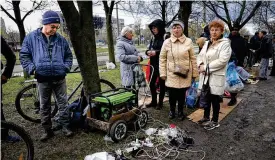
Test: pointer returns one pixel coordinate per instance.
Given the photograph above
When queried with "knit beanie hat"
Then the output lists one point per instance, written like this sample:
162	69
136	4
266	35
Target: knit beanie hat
50	17
177	23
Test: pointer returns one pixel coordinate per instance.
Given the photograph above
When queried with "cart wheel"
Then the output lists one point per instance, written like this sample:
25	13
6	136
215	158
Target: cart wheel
118	130
142	119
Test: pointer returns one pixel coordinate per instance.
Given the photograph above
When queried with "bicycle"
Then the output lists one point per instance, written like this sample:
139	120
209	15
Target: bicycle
29	95
15	150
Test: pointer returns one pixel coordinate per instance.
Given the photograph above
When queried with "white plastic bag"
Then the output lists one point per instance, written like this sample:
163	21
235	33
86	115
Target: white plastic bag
233	82
110	65
244	75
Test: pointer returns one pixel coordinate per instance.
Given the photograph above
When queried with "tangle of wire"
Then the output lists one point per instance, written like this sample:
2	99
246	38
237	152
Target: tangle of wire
163	148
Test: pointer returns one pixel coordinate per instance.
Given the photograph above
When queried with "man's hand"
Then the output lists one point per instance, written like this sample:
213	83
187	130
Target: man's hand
139	58
4	79
153	53
163	77
201	69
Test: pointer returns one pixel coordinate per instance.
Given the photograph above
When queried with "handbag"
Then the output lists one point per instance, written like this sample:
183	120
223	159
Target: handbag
178	69
205	91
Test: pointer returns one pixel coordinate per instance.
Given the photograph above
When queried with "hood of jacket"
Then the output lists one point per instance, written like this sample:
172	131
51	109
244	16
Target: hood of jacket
160	25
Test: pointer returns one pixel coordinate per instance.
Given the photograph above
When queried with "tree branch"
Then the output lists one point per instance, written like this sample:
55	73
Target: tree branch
30	11
8	14
215	11
259	3
226	12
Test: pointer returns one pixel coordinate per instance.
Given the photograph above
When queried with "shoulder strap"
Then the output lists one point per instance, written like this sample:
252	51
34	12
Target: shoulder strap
172	51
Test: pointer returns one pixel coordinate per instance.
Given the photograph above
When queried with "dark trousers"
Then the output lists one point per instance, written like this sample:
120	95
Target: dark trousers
153	88
215	100
4	132
60	91
177	95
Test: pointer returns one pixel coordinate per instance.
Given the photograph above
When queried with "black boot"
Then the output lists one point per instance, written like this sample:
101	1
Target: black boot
152	104
160	105
232	102
181	116
47	135
67	132
172	114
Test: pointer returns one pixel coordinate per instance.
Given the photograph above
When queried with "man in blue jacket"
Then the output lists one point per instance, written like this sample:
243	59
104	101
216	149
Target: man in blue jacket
46	55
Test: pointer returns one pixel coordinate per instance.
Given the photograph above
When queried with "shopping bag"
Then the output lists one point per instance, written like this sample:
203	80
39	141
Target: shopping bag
233	82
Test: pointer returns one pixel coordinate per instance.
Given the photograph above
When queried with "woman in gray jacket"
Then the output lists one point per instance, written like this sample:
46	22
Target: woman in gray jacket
127	54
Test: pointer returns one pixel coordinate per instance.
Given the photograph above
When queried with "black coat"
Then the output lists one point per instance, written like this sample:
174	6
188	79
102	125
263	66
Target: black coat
266	48
156	43
10	58
239	46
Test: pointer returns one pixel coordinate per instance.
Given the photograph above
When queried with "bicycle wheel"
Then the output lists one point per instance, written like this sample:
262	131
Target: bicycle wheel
106	85
16	150
28	106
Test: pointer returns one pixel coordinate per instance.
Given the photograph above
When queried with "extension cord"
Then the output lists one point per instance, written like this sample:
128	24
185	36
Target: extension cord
131	149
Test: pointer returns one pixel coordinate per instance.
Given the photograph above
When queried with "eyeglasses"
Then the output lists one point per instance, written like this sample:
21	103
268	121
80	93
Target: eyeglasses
55	27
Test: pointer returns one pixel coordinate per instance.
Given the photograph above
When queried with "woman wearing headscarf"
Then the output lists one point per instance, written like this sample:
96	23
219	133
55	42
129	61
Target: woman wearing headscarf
127	54
177	67
213	58
157	28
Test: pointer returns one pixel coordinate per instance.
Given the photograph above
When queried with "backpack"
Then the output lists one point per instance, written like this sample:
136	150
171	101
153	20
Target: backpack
76	110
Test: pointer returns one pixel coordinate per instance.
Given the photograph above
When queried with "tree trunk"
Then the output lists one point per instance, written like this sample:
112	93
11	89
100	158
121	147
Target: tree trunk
81	29
108	13
22	31
18	20
110	39
163	11
184	13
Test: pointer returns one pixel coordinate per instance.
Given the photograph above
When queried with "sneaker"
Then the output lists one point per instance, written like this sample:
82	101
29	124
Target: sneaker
232	102
57	127
47	135
212	125
203	120
67	132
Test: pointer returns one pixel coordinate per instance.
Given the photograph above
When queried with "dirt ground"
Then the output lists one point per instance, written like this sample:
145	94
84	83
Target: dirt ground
247	133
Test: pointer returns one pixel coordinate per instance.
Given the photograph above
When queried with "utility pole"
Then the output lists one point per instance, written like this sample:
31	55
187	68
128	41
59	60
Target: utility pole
117	20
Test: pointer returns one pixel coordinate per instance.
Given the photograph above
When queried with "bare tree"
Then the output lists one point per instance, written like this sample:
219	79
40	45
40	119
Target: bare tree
234	13
167	10
265	17
108	13
81	30
184	14
18	19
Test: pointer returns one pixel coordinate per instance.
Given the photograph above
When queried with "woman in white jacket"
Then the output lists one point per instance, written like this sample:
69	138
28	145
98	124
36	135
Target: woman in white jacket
216	54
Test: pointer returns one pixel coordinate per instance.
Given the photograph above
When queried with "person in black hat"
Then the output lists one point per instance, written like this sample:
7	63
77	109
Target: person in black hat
46	55
157	28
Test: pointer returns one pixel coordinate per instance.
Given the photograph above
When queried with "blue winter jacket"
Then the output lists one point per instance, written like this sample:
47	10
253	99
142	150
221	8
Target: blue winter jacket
35	55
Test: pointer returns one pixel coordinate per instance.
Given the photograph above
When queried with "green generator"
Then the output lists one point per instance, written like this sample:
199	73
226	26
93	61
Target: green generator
113	110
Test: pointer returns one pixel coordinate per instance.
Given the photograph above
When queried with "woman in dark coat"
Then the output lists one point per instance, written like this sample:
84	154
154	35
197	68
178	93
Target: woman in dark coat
157	28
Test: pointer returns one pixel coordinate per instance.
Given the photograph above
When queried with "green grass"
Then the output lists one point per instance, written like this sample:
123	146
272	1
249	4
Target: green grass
82	144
